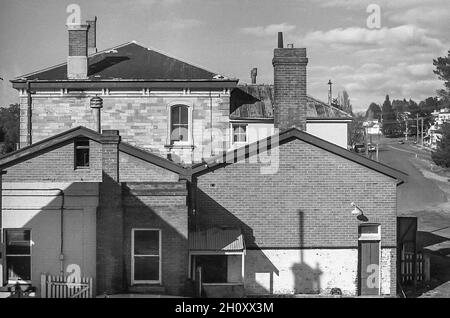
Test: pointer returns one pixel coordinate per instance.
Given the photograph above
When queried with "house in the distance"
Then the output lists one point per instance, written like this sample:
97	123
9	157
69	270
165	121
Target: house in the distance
174	183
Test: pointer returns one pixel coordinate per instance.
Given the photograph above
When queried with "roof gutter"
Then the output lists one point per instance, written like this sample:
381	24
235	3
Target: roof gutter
127	83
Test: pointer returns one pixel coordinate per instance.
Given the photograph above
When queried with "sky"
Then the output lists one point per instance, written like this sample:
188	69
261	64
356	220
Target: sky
230	37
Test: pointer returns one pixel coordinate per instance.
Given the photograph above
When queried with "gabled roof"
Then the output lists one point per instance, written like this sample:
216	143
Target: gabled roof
255	102
287	136
130	61
42	146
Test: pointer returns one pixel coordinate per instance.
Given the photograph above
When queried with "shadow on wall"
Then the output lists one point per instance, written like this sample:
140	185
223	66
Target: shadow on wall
306	278
76	224
153	209
80	235
261	273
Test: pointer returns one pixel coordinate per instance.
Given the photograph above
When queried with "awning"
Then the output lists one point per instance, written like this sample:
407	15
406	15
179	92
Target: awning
217	239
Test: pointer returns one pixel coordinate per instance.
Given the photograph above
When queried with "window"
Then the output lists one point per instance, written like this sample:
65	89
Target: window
18	255
81	153
179	123
369	232
239	133
146	256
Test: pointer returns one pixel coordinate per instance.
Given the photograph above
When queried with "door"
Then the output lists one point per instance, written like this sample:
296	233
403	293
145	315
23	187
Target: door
369	267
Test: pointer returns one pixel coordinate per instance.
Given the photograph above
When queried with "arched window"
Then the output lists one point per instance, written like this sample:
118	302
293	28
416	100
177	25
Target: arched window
179	123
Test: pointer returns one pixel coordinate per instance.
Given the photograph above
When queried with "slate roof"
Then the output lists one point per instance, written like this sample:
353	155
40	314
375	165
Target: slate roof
129	61
256	102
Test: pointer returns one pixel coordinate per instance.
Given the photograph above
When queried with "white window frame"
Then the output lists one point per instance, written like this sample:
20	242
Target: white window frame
370	236
6	275
190	107
136	282
239	143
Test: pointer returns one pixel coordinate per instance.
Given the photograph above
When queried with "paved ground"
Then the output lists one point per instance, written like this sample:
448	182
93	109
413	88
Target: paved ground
426	195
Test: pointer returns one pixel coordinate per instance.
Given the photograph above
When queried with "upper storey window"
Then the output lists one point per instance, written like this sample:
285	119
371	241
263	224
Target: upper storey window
179	124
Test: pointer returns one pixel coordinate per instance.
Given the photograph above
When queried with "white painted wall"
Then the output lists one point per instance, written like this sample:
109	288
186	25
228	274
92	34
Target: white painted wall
38	209
308	271
335	132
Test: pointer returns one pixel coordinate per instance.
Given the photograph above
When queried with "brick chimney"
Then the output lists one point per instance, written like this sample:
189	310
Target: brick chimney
77	64
109	225
92	35
289	65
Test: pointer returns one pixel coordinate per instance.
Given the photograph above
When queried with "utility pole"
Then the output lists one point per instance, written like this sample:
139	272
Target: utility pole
417	128
406	130
422	132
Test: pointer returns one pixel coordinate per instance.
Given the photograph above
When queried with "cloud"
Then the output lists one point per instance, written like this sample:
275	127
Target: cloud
268	30
384	4
370	82
403	35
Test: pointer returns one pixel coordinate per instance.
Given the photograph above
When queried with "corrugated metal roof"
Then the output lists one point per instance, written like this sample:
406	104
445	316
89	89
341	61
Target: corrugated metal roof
216	239
256	102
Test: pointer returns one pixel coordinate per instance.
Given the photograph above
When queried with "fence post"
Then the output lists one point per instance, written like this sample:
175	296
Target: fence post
43	285
426	267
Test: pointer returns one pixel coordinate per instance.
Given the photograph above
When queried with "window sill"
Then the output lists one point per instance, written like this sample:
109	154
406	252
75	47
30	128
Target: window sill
180	146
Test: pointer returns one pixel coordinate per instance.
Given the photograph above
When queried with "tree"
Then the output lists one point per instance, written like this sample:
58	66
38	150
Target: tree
442	65
344	102
442	154
373	112
356	129
9	125
390	124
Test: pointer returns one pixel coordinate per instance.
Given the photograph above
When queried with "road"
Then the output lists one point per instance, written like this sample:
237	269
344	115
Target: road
425	195
417	193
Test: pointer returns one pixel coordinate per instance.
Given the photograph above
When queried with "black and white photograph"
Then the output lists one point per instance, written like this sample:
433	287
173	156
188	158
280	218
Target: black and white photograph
241	151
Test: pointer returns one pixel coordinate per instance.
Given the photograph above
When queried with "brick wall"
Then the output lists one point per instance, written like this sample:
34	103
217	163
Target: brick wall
57	165
142	121
312	190
306	204
110	219
78	42
132	169
160	206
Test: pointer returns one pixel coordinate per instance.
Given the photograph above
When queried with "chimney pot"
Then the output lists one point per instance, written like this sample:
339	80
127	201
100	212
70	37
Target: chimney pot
290	46
280	40
253	74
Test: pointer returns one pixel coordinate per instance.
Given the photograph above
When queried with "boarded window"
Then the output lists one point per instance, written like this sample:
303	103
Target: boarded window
214	268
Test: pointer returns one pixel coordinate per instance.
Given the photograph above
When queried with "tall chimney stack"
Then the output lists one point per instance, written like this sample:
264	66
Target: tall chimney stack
77	64
289	66
92	35
253	74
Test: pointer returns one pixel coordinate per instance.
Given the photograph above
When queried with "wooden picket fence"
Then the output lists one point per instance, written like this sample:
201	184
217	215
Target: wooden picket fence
406	266
53	286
